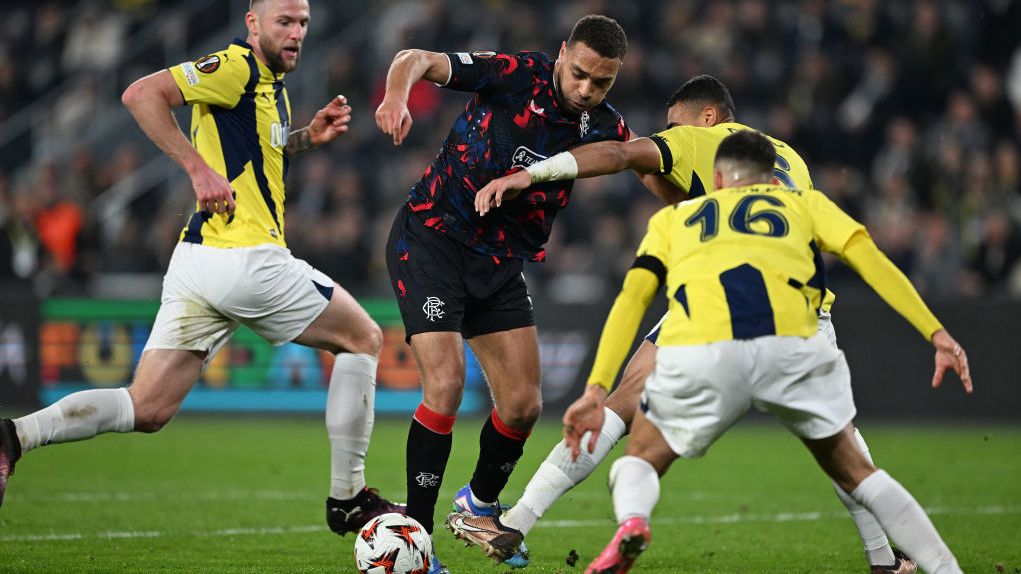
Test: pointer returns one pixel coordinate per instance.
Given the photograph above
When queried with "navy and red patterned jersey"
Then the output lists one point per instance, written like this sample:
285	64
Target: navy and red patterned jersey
513	121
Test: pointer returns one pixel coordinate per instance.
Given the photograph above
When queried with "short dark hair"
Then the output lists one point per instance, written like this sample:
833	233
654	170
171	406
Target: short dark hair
750	148
601	33
705	89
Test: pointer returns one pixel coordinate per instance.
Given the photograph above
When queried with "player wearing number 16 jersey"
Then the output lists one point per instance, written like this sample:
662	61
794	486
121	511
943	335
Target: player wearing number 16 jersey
738	267
699	116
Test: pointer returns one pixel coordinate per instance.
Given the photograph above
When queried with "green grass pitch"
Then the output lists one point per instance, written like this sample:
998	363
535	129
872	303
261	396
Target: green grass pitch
245	494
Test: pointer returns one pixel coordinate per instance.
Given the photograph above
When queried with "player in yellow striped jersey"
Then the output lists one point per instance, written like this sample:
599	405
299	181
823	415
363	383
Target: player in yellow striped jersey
699	115
742	331
232	266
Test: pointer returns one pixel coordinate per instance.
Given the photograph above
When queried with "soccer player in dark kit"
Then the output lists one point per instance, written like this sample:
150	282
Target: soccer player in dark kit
457	276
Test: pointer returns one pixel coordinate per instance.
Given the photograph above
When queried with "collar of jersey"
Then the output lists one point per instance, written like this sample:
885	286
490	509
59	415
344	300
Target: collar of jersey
262	66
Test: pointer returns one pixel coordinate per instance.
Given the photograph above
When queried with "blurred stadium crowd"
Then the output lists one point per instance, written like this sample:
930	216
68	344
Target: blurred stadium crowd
908	114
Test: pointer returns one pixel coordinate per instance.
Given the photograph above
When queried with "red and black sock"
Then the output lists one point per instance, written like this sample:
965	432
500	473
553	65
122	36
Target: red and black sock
500	447
429	441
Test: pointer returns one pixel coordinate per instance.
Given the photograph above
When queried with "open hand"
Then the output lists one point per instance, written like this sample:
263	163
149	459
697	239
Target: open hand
330	122
950	355
585	415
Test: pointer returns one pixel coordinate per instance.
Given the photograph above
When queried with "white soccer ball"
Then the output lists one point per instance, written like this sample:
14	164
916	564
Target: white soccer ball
393	544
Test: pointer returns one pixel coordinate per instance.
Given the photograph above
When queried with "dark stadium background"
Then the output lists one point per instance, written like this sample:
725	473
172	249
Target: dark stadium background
908	113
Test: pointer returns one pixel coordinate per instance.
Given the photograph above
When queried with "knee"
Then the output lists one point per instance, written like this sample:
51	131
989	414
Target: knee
523	416
443	394
624	405
363	339
369	341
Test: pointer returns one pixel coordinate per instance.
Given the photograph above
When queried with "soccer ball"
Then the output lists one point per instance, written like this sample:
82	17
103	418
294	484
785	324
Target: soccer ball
393	544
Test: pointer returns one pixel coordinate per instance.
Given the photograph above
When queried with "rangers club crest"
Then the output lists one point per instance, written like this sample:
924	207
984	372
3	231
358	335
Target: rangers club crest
433	308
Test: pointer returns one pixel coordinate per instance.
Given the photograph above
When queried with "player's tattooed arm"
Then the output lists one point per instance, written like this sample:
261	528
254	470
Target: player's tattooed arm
328	124
298	141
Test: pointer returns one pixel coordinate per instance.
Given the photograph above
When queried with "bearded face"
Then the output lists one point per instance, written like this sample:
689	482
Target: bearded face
279	28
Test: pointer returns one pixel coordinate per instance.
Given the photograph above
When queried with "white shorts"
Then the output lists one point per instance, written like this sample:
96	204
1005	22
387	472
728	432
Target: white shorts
209	291
698	392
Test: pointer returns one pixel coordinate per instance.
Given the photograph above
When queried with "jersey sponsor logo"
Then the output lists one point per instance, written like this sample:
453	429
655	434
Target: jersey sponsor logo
209	64
535	108
189	73
427	480
278	134
484	54
524	157
433	308
465	58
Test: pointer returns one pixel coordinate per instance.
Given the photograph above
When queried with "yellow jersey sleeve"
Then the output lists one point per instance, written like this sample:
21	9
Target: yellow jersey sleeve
640	287
890	283
832	228
676	150
218	79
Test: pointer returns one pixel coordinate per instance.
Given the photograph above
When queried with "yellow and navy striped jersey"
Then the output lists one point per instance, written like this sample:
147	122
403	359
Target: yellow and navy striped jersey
240	123
687	154
745	262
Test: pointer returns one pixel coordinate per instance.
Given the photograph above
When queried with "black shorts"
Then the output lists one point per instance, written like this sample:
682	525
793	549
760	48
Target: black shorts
443	285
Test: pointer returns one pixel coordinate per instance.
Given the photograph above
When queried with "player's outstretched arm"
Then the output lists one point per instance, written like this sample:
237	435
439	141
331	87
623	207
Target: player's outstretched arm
862	254
658	185
328	124
150	101
662	188
408	67
589	160
586	413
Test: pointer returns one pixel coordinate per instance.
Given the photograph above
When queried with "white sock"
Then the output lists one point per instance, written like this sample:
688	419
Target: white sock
635	487
558	474
877	545
350	413
905	521
77	416
480	503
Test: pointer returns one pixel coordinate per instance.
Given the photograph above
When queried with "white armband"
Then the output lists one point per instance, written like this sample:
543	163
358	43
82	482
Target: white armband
559	167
